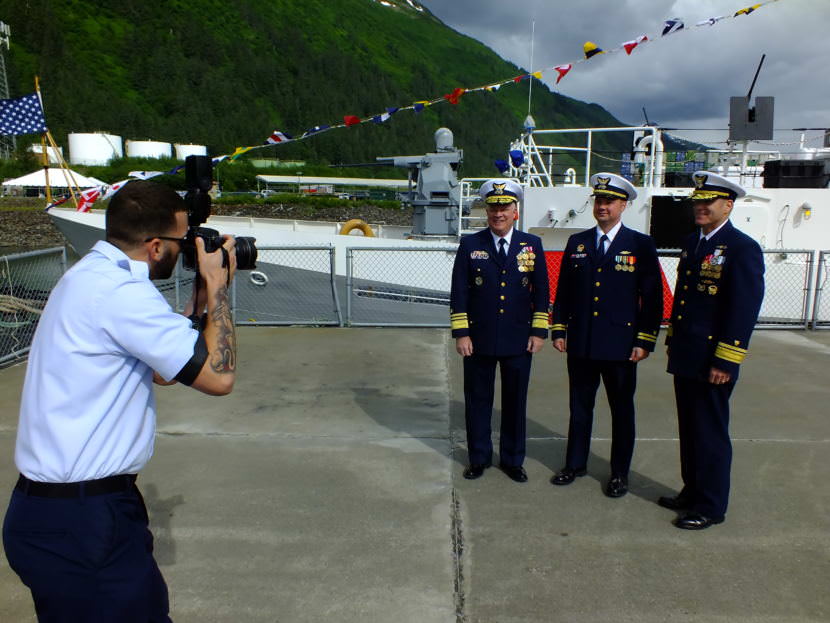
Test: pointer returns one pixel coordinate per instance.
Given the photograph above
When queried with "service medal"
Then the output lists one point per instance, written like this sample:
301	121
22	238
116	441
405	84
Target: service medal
713	289
479	281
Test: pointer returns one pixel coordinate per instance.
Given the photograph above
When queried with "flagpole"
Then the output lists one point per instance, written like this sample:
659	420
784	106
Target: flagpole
45	138
44	153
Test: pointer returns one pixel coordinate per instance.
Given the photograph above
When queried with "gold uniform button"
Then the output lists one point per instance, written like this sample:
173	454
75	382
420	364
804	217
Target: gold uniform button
596	298
710	337
599	270
596	313
688	272
501	311
504	272
680	317
502	297
503	284
682	302
685	287
597	284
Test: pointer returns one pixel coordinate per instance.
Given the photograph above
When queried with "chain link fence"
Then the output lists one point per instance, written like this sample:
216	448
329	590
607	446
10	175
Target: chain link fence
291	286
821	304
383	286
26	279
788	283
399	287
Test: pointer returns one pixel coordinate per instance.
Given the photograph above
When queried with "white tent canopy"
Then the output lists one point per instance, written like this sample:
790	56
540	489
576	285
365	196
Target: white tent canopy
58	178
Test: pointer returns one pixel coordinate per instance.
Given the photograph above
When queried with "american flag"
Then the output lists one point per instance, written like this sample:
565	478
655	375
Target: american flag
22	115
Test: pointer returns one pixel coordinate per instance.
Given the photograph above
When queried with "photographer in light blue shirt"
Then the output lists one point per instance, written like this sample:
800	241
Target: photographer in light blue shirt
76	531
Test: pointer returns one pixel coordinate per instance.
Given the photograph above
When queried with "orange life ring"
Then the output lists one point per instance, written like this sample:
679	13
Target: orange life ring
356	223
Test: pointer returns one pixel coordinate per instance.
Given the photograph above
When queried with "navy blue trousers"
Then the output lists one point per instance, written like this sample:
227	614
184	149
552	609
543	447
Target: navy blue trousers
479	390
705	447
620	380
86	560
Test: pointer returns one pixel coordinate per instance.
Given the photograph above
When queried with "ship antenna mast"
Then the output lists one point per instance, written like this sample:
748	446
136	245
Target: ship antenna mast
530	69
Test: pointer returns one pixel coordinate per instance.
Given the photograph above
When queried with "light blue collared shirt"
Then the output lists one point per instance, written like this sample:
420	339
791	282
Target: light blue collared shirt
87	409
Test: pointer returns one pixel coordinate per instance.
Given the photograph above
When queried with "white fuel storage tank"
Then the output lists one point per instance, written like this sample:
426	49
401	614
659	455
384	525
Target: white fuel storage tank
94	148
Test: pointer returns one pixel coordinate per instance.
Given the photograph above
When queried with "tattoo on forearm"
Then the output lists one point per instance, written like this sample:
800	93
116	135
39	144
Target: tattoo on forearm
224	359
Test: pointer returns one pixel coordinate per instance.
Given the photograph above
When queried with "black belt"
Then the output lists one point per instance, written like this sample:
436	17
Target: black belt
111	484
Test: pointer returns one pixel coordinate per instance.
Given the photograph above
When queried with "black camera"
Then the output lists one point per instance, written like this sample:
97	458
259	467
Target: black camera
198	171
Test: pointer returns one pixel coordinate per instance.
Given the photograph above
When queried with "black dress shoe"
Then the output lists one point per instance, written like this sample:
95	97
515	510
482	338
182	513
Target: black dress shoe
676	503
616	487
515	472
696	521
475	470
567	475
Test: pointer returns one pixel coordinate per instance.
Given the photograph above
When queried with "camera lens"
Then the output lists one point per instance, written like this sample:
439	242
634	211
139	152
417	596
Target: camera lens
246	253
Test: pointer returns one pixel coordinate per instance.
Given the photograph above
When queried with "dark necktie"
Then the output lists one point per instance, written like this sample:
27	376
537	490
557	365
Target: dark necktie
502	252
601	245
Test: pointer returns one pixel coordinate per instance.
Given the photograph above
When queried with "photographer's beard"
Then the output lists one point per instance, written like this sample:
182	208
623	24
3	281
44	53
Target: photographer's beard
163	269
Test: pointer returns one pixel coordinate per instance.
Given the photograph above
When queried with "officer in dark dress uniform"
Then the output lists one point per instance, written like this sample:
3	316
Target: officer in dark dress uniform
499	315
606	317
720	287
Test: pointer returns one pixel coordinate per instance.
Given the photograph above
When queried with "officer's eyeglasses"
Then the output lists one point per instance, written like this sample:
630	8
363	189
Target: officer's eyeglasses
181	240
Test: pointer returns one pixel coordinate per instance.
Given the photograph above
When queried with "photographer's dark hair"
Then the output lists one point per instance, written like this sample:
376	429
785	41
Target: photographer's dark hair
141	210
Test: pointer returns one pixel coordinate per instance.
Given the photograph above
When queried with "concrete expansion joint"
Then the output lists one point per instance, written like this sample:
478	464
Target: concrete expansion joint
457	537
361	437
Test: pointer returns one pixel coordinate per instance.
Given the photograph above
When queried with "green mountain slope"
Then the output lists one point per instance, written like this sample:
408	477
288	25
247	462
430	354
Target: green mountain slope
227	73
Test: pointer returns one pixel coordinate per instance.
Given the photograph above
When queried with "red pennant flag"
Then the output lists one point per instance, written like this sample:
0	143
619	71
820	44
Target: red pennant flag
351	120
562	70
88	197
519	78
456	94
630	45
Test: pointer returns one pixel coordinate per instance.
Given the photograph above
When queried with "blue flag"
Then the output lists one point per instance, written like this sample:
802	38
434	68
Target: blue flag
22	115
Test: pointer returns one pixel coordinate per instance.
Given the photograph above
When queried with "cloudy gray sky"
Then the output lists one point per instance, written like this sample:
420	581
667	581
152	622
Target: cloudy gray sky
684	80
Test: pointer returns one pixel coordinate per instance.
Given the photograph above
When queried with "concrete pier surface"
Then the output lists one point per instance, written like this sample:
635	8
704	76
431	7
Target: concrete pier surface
328	487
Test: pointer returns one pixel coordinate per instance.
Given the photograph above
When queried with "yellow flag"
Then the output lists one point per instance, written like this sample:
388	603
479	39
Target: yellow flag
592	49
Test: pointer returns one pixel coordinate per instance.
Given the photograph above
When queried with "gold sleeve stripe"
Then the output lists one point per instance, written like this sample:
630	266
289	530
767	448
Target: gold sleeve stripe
648	337
459	324
540	323
722	353
735	349
559	327
541	315
459	315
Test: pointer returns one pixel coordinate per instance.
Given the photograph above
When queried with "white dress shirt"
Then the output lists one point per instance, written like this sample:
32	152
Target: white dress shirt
88	409
507	238
611	234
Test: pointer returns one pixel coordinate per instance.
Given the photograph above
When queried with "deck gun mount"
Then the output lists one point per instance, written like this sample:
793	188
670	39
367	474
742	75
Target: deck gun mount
433	186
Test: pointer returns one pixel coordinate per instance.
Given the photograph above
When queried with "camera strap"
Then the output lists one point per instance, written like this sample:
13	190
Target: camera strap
226	262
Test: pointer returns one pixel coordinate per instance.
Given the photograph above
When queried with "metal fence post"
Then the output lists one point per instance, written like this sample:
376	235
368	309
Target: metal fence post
808	289
821	278
233	301
349	285
333	281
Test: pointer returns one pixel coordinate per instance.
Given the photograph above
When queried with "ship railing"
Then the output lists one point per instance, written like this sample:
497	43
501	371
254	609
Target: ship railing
537	166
